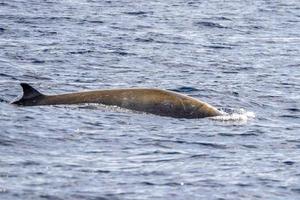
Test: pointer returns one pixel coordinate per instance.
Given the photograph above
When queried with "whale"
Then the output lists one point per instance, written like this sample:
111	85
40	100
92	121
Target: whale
147	100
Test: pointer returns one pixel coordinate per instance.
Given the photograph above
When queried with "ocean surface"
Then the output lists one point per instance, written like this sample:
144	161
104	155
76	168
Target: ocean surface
241	56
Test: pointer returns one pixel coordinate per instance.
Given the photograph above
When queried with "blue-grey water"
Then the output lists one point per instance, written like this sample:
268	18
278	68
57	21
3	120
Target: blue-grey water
237	55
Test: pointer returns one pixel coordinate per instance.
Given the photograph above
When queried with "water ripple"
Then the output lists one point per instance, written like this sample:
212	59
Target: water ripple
242	56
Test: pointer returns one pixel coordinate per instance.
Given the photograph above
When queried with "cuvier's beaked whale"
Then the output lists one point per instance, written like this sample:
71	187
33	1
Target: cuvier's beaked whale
155	101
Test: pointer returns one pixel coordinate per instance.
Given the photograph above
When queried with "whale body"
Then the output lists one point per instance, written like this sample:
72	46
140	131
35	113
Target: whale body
148	100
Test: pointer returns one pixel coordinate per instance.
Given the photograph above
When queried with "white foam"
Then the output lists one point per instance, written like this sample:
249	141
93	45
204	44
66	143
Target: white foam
240	115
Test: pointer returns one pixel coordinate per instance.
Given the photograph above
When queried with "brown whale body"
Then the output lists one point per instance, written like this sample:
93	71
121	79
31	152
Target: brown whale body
155	101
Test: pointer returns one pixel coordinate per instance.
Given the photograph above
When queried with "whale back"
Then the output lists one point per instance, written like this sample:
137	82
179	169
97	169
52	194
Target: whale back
148	100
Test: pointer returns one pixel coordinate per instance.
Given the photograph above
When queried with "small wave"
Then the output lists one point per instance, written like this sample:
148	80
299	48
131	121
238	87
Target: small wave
164	184
290	116
95	21
97	171
217	47
138	13
3	100
185	89
81	52
123	53
5	142
8	75
209	24
289	162
29	163
240	115
36	61
144	40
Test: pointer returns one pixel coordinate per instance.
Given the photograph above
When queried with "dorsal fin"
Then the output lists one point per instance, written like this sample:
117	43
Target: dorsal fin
30	95
29	92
